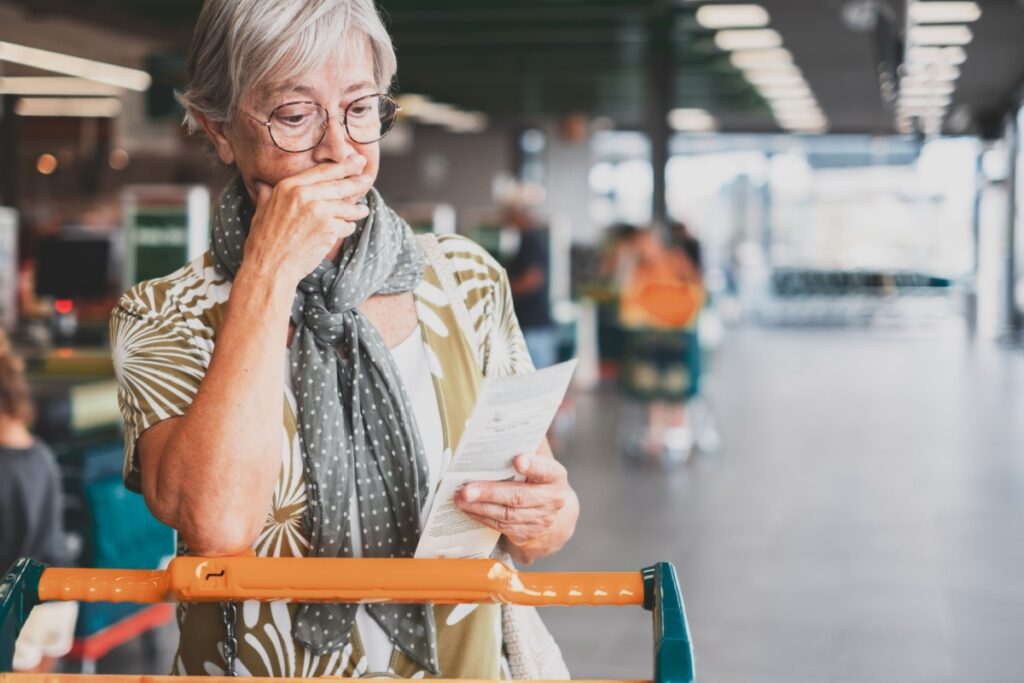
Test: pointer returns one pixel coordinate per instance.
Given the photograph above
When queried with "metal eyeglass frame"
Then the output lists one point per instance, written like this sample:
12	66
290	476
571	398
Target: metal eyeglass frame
323	128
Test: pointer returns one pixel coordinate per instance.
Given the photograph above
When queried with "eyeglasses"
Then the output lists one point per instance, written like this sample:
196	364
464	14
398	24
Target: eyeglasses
301	126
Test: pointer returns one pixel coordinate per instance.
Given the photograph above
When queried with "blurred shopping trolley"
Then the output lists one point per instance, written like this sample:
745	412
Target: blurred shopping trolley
196	579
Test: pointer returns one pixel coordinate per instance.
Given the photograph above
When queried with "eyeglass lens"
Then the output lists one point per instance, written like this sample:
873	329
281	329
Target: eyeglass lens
300	126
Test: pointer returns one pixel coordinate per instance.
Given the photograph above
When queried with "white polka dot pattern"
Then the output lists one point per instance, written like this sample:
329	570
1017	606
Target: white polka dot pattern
356	426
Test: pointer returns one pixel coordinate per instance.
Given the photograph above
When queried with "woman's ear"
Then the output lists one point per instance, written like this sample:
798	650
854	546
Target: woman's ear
215	132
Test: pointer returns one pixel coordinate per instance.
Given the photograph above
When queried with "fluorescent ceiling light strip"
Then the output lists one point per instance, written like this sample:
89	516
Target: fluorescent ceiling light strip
781	70
54	85
748	39
956	34
780	81
801	110
802	120
944	12
697	120
122	77
930	72
785	92
945	88
87	107
777	57
937	55
732	16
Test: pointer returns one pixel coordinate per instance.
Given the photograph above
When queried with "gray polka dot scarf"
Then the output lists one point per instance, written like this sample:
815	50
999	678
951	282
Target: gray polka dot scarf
356	426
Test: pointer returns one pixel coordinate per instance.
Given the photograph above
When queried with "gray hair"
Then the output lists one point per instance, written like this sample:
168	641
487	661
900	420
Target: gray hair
242	44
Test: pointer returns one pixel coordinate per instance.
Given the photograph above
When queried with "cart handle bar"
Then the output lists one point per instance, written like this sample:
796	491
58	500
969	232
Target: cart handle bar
302	579
192	579
144	678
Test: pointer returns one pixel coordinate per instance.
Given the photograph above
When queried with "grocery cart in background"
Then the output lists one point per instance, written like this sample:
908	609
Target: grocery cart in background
197	579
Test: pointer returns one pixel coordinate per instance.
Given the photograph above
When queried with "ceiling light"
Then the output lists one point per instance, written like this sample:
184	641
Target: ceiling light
955	34
692	120
915	88
937	55
808	130
54	85
808	119
781	69
46	164
122	77
922	109
770	78
778	57
732	16
795	105
89	107
748	39
944	12
929	72
939	101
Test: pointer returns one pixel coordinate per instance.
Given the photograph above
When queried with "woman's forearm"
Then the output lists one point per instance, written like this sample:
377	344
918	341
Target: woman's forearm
216	470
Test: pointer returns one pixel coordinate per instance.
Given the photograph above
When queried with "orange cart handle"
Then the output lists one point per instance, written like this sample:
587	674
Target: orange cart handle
127	678
204	579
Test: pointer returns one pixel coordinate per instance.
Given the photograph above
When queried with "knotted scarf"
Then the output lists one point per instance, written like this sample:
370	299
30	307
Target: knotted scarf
356	426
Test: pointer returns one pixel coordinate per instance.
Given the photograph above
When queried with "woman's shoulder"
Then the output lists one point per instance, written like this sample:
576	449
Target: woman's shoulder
190	292
467	258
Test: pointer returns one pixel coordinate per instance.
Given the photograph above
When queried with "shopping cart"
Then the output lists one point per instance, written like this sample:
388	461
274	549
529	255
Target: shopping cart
197	579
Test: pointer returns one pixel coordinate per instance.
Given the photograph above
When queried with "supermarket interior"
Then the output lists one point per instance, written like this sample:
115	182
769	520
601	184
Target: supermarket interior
782	240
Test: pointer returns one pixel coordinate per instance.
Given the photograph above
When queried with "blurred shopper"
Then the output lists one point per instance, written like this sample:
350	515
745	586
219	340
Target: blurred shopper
687	253
528	279
31	514
619	256
658	308
296	390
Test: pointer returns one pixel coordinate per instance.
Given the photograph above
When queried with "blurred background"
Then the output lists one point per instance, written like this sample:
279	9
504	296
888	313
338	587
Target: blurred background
785	239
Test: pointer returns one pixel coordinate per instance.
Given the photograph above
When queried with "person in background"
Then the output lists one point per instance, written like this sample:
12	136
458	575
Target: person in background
658	306
686	253
529	281
31	510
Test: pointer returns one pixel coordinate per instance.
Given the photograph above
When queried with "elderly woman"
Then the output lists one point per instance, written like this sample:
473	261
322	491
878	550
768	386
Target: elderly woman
299	389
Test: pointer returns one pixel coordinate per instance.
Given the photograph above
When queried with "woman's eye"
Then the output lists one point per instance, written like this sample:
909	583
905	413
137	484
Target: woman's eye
360	110
293	119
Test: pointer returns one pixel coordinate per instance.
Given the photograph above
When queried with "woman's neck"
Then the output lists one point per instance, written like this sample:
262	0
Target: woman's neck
14	434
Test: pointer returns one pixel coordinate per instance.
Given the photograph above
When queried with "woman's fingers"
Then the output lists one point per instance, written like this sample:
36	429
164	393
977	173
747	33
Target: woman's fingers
509	515
325	172
541	469
515	494
519	533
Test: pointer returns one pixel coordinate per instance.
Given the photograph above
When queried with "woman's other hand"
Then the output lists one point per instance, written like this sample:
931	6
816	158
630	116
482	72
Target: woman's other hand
536	516
300	220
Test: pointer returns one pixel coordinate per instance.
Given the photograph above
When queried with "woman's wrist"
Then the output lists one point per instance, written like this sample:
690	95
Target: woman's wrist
266	283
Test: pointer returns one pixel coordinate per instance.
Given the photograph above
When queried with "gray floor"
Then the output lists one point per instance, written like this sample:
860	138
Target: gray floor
863	521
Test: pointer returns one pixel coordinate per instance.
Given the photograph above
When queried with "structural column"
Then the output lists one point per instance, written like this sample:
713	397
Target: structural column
659	102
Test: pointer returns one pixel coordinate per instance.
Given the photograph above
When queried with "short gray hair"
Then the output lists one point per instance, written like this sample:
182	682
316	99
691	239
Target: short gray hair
241	44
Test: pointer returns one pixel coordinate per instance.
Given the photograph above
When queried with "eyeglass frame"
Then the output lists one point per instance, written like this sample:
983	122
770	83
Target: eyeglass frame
327	121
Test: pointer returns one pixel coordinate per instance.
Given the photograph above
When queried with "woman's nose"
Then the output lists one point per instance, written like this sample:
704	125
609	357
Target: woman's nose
336	144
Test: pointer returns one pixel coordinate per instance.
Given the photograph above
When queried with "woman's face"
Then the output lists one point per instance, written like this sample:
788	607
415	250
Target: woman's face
247	144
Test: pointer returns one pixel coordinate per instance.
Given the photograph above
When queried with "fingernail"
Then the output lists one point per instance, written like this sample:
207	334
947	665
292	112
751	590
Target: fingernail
470	493
524	462
360	161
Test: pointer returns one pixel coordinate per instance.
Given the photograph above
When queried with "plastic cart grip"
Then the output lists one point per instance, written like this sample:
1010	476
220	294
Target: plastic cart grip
198	579
195	579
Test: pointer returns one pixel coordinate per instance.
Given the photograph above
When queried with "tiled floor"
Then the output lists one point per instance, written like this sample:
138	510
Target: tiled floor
863	521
